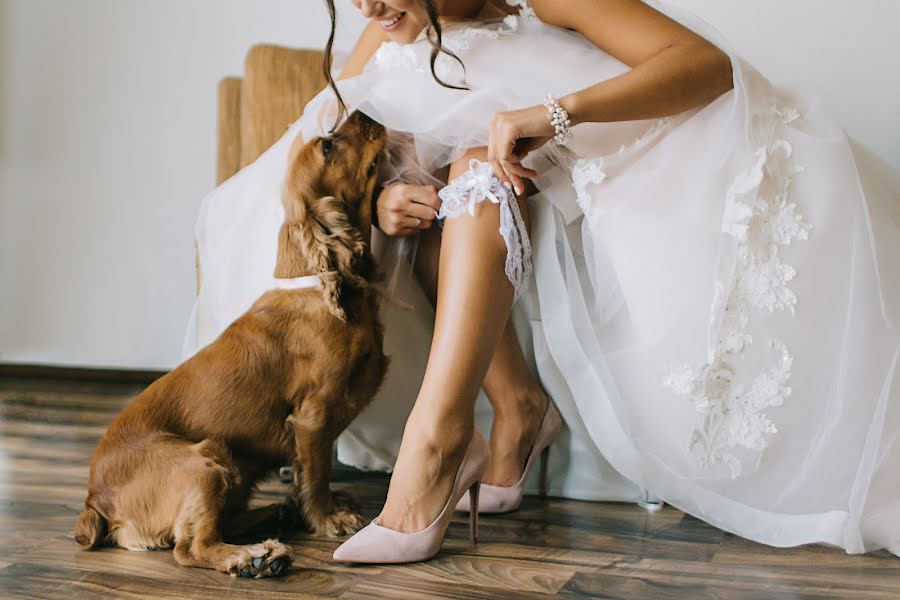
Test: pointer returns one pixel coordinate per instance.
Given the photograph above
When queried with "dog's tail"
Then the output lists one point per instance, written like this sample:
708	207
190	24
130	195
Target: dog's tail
90	530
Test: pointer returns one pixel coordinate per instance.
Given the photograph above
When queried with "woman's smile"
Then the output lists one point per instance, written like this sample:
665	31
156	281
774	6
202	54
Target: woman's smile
392	23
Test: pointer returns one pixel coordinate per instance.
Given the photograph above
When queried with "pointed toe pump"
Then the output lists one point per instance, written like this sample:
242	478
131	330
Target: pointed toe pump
502	499
377	544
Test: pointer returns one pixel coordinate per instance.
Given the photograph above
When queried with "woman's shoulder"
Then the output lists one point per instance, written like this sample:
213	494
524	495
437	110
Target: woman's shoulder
368	43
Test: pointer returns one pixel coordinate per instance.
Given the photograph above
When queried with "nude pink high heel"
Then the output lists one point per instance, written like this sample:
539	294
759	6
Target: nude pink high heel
501	499
376	544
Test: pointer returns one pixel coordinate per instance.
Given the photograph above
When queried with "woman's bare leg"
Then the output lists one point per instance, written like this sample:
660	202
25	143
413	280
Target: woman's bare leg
474	298
518	400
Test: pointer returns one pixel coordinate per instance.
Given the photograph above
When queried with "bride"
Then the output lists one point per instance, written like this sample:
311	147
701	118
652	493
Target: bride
694	293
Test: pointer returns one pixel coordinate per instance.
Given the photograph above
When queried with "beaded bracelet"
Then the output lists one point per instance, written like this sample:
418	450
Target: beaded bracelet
559	118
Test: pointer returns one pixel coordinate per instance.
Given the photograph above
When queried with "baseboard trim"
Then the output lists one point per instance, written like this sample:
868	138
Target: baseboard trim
64	373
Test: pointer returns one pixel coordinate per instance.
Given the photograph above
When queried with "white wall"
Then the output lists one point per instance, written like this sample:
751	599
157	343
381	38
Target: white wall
842	50
107	144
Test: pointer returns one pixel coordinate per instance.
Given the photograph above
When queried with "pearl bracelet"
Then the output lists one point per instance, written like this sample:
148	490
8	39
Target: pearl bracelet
559	118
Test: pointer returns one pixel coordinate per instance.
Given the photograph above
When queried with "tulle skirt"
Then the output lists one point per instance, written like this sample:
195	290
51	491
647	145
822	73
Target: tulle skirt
715	298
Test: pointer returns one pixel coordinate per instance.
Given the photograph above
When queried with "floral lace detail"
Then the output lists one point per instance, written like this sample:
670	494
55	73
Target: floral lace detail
589	171
732	415
525	9
459	39
477	185
586	171
788	114
648	136
394	57
760	218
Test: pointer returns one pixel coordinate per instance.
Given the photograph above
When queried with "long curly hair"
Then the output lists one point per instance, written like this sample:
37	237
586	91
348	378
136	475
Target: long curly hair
433	33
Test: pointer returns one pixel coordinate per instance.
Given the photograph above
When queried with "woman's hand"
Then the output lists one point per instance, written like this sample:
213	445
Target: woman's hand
404	209
513	134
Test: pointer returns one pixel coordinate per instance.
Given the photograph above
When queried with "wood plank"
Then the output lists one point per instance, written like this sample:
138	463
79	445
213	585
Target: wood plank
634	588
734	550
55	583
395	585
69	374
740	579
549	548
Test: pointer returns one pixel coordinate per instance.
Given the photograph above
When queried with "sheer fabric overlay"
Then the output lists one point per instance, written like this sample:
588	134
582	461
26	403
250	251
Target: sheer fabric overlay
714	297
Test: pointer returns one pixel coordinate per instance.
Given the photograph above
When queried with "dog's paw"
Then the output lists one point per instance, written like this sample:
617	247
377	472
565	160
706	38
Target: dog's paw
267	559
342	521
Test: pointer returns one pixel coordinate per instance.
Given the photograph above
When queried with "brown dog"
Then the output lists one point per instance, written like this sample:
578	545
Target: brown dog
179	464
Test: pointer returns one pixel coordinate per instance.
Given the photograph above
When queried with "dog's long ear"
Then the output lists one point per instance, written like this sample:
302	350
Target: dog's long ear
336	249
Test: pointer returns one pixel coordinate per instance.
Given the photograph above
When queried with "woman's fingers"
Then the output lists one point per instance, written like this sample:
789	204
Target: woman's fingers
404	209
513	136
406	225
502	175
421	211
425	194
415	223
518	169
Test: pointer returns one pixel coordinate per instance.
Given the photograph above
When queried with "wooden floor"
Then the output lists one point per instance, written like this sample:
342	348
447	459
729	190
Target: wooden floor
550	548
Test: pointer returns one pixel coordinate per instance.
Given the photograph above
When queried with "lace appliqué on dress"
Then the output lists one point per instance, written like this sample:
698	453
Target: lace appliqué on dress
477	185
760	218
525	9
459	39
585	172
394	57
589	171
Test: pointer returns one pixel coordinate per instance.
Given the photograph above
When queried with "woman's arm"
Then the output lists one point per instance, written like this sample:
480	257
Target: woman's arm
673	69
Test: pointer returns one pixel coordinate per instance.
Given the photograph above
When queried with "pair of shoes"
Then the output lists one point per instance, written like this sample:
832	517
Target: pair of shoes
501	499
376	544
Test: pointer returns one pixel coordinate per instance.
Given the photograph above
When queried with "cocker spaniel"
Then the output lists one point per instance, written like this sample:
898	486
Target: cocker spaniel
178	466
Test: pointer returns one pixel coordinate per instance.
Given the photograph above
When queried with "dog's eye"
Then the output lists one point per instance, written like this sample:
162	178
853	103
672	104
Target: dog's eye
326	146
373	165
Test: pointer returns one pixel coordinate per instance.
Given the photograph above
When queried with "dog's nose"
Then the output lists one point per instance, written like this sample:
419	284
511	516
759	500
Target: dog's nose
363	117
367	125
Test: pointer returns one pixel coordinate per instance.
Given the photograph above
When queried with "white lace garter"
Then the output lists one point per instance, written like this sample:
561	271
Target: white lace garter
477	185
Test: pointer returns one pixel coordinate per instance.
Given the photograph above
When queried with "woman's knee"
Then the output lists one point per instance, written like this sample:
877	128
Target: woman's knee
463	165
476	207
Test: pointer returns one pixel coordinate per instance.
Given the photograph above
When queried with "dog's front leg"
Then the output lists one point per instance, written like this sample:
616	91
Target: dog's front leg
314	436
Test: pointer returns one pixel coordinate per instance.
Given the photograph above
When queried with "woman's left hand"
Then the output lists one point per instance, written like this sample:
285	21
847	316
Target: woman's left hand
513	134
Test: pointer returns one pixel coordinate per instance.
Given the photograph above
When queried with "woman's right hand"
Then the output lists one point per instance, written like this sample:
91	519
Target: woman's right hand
404	209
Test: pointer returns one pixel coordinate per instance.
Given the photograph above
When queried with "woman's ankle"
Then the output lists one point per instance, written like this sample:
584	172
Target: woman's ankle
514	402
436	434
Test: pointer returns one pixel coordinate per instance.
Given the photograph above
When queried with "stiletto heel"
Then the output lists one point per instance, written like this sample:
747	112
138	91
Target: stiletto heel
377	544
500	499
473	515
545	456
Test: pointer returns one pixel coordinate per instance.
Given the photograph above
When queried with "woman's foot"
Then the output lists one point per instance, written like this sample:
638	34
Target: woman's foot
426	467
376	543
516	422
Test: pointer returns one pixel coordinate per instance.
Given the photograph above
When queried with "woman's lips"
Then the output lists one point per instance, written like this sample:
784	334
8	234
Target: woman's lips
392	23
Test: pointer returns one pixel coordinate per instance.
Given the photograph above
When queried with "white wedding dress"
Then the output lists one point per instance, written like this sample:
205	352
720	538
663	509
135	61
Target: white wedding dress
715	298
